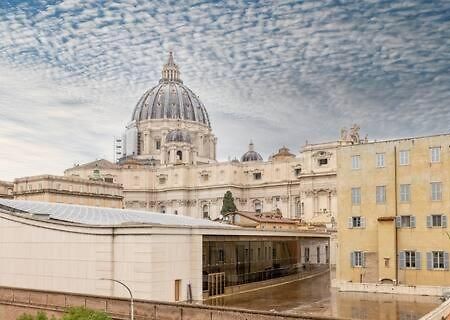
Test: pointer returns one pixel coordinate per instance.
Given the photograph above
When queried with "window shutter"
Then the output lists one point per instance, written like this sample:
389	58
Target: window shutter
398	221
446	260
429	260
363	222
352	259
363	259
418	266
444	221
413	221
402	260
350	222
429	222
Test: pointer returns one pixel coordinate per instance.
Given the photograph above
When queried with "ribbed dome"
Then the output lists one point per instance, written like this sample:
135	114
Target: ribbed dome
251	154
171	99
178	136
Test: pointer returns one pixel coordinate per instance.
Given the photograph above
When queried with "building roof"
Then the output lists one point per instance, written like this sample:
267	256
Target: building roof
100	216
101	164
265	217
251	154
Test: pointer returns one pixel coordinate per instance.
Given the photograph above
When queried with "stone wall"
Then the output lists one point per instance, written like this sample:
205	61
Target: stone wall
14	301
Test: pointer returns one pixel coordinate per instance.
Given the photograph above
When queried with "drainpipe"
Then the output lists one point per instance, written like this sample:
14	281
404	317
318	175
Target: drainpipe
396	213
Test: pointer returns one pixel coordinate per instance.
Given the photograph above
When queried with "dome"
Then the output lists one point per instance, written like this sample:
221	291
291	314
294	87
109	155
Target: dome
178	136
171	99
251	154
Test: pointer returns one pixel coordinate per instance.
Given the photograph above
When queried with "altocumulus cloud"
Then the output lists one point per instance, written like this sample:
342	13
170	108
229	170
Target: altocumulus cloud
277	72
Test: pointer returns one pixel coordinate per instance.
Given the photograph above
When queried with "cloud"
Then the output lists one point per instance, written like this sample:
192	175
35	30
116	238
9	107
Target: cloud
72	71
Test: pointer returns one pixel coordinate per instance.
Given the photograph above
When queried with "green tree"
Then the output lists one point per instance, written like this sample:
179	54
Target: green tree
80	313
228	203
39	316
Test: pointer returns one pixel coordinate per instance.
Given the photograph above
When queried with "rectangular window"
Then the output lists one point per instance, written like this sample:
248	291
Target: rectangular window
318	254
436	220
356	222
435	154
405	192
405	221
410	259
357	259
436	191
438	259
306	254
356	196
323	162
158	144
380	160
381	194
257	175
355	162
404	157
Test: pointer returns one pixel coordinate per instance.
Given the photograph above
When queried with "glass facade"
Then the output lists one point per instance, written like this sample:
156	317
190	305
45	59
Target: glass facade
248	260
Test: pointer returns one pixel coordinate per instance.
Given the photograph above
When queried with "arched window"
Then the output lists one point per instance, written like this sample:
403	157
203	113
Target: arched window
179	155
205	211
162	209
258	206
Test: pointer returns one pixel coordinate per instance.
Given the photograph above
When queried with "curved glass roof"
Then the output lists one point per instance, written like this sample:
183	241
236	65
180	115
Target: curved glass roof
102	216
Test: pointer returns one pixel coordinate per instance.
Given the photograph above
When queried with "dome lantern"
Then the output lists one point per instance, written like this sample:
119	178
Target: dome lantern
170	71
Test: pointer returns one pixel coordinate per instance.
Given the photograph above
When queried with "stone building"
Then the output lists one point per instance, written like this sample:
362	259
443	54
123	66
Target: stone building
69	189
167	163
6	189
393	200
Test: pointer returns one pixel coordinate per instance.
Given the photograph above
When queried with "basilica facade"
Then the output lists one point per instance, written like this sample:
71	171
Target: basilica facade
166	162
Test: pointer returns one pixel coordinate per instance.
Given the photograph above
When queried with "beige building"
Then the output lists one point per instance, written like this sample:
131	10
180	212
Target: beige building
166	161
6	189
161	257
272	220
69	189
393	201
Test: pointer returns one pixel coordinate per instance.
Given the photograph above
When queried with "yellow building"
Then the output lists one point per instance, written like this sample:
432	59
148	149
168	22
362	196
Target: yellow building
71	190
393	202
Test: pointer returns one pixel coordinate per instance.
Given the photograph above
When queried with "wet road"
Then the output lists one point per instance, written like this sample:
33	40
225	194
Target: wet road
315	297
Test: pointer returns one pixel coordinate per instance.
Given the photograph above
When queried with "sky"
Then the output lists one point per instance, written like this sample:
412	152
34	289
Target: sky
275	72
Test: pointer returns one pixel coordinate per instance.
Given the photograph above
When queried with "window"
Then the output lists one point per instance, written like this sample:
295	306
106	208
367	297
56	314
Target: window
205	210
406	221
179	155
404	157
306	254
436	191
438	260
323	162
297	171
381	194
357	259
162	180
158	144
257	175
437	220
380	160
318	254
356	222
355	162
162	209
297	207
258	206
409	259
405	194
356	196
435	154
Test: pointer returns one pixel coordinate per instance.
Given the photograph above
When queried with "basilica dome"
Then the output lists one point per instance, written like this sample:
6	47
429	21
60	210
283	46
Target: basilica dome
178	136
251	154
171	99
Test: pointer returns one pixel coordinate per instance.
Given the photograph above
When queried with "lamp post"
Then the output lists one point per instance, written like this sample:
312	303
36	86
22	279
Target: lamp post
129	291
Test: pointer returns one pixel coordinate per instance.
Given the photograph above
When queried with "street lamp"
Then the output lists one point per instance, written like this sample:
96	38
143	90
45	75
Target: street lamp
129	291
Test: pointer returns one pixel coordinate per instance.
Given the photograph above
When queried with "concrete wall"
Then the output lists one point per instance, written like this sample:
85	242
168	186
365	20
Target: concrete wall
46	256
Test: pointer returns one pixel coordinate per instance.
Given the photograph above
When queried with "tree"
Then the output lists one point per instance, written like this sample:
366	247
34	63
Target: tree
76	313
228	203
81	313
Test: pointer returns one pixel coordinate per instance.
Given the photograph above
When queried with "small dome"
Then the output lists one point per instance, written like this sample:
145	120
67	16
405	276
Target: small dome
251	154
178	136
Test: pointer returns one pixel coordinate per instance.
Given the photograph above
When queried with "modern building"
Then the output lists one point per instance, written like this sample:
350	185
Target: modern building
69	189
167	163
393	201
163	257
6	189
